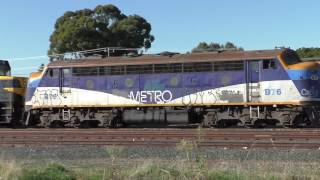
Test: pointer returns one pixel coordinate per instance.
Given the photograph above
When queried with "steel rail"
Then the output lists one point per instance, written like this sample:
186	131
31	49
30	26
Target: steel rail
221	138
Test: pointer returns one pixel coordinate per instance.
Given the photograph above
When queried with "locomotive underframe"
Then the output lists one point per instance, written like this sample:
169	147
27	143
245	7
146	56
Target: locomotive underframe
207	116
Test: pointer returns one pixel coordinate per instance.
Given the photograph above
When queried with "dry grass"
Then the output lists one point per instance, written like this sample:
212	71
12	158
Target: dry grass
9	170
190	163
174	169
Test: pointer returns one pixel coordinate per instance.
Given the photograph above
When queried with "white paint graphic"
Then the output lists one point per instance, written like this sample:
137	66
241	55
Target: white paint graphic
151	96
312	92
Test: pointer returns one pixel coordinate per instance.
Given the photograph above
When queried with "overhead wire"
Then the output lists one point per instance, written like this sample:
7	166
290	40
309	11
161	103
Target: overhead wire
104	49
47	57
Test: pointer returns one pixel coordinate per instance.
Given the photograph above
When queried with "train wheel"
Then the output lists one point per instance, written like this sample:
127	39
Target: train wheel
259	123
89	124
57	124
85	124
205	124
209	120
240	124
221	124
301	122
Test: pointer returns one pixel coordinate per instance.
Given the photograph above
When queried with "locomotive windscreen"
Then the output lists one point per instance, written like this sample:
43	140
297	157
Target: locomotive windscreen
5	69
291	57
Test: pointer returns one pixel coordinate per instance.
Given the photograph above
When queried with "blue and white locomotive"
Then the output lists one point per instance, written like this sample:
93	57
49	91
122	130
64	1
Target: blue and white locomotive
246	88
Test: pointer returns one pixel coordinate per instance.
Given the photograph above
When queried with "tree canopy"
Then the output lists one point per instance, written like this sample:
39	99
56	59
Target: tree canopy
203	46
103	26
308	52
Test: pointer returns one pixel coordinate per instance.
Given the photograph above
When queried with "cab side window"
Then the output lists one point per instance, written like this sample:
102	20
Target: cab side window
269	64
52	73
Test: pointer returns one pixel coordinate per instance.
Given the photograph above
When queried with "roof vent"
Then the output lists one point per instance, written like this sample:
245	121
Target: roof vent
167	53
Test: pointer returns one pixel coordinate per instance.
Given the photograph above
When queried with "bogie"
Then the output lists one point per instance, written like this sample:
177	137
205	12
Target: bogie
220	117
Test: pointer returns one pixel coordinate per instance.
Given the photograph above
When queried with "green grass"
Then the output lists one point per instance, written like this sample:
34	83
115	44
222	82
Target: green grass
159	170
187	165
51	172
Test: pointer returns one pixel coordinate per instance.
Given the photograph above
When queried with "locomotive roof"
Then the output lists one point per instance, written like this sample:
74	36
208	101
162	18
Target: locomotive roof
177	58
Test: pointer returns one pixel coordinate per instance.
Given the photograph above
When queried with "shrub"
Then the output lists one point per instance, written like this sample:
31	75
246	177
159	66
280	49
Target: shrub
52	171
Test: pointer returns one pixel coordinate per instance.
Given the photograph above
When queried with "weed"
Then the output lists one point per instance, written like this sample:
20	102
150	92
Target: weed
113	153
52	171
186	148
9	170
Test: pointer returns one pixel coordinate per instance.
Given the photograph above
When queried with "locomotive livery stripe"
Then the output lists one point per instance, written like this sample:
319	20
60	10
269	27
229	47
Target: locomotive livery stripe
275	104
230	95
256	81
12	84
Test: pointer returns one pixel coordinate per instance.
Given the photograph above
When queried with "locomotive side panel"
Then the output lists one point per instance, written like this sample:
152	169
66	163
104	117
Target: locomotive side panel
119	88
212	88
170	89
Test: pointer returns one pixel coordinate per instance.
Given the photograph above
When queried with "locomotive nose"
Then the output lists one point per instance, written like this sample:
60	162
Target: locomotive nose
305	76
305	66
304	71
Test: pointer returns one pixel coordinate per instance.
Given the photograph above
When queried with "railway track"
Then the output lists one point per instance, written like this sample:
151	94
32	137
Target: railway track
219	138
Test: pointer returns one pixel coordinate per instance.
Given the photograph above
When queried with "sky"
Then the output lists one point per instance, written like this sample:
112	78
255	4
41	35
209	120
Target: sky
177	25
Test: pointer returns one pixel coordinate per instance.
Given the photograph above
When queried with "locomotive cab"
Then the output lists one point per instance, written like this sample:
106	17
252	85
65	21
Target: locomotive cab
304	75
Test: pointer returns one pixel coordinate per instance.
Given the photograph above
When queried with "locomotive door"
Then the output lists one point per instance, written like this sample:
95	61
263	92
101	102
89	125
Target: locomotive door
253	77
65	80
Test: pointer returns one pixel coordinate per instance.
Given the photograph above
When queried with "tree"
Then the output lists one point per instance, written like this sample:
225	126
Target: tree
230	45
215	46
309	52
203	46
104	26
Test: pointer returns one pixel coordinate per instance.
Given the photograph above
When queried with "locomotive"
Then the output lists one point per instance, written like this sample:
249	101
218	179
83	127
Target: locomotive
211	89
12	94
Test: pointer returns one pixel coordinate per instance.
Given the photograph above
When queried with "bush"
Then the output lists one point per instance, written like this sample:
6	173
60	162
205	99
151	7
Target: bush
51	172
